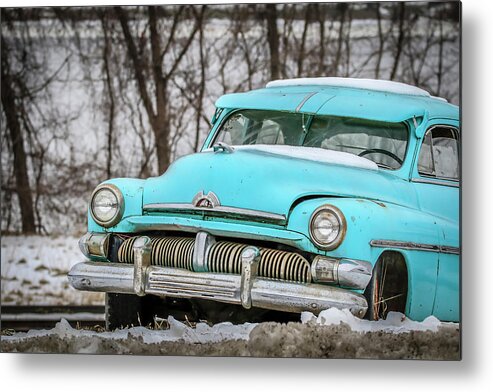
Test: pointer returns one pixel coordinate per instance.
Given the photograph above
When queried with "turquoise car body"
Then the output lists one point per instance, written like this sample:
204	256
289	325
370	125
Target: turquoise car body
399	206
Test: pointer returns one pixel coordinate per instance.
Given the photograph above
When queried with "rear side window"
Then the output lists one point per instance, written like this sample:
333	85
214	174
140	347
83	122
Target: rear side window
439	154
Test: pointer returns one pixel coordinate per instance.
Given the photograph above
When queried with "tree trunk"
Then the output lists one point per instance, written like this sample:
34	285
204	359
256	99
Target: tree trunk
400	40
273	40
160	123
380	42
111	94
340	39
20	159
301	54
321	52
200	99
161	134
440	56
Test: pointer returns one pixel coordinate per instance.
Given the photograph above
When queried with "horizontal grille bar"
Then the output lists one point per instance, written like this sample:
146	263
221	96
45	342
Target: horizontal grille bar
192	285
221	211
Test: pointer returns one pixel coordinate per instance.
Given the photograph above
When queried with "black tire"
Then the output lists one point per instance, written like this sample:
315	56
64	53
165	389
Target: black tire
387	290
127	310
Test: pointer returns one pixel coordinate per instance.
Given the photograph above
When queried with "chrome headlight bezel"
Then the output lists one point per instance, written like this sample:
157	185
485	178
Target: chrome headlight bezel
342	227
120	200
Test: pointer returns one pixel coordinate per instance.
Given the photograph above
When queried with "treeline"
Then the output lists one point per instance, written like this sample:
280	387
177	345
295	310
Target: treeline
97	92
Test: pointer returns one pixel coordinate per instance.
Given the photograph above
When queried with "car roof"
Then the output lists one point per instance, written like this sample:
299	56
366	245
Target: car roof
345	97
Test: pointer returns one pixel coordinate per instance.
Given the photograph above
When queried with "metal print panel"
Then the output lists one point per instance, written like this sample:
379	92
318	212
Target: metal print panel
271	180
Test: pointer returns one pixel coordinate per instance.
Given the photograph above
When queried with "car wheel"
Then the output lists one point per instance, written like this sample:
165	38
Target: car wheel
387	290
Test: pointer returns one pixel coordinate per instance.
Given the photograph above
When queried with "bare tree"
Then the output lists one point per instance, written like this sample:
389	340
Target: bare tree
155	95
150	77
14	110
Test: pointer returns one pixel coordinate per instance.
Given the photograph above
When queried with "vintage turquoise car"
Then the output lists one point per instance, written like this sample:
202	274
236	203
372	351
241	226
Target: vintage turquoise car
307	194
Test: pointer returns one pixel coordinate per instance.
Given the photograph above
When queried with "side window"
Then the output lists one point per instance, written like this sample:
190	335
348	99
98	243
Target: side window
439	154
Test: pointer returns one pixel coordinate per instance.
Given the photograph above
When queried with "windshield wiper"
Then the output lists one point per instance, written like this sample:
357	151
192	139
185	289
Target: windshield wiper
223	147
383	165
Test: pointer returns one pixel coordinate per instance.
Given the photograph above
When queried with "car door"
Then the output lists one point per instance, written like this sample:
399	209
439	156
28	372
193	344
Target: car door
436	177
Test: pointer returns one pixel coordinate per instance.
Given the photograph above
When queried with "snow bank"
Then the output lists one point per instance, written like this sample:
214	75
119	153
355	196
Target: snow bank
365	84
394	323
178	331
334	334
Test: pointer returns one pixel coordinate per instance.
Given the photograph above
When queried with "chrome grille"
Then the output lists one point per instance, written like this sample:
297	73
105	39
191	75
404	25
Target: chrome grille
173	252
277	264
225	257
222	257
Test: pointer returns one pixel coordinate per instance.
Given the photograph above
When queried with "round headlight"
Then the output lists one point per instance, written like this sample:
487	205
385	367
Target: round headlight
107	205
327	227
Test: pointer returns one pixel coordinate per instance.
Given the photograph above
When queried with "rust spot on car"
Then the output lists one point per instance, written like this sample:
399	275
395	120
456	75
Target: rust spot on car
379	203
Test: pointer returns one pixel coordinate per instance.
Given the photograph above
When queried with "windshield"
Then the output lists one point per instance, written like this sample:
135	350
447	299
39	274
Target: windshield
382	142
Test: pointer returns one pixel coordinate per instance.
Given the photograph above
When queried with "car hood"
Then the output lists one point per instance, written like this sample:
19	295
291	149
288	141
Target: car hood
271	180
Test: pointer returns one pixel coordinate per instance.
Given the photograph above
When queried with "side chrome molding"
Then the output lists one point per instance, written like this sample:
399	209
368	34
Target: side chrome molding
415	246
453	184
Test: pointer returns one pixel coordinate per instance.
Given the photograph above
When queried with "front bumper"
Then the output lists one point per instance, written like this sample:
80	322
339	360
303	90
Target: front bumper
246	289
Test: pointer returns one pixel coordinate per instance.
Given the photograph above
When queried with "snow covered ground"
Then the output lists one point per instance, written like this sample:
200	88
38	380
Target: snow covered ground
34	271
333	334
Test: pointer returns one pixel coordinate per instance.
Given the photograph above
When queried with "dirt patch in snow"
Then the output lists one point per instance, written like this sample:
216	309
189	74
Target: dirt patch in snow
339	341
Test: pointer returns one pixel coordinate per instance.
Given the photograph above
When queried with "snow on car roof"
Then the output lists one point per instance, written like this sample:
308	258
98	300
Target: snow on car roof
311	95
365	84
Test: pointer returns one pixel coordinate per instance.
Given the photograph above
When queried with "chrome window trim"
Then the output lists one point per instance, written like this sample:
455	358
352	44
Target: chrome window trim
437	181
415	246
430	176
306	98
244	212
213	139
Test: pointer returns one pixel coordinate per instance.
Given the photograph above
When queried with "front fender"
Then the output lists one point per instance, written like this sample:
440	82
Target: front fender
132	190
368	220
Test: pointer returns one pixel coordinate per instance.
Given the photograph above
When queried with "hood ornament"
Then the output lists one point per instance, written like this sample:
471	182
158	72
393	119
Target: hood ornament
208	200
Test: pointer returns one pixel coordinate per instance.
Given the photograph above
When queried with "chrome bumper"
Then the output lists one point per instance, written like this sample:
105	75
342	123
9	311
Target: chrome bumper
245	289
